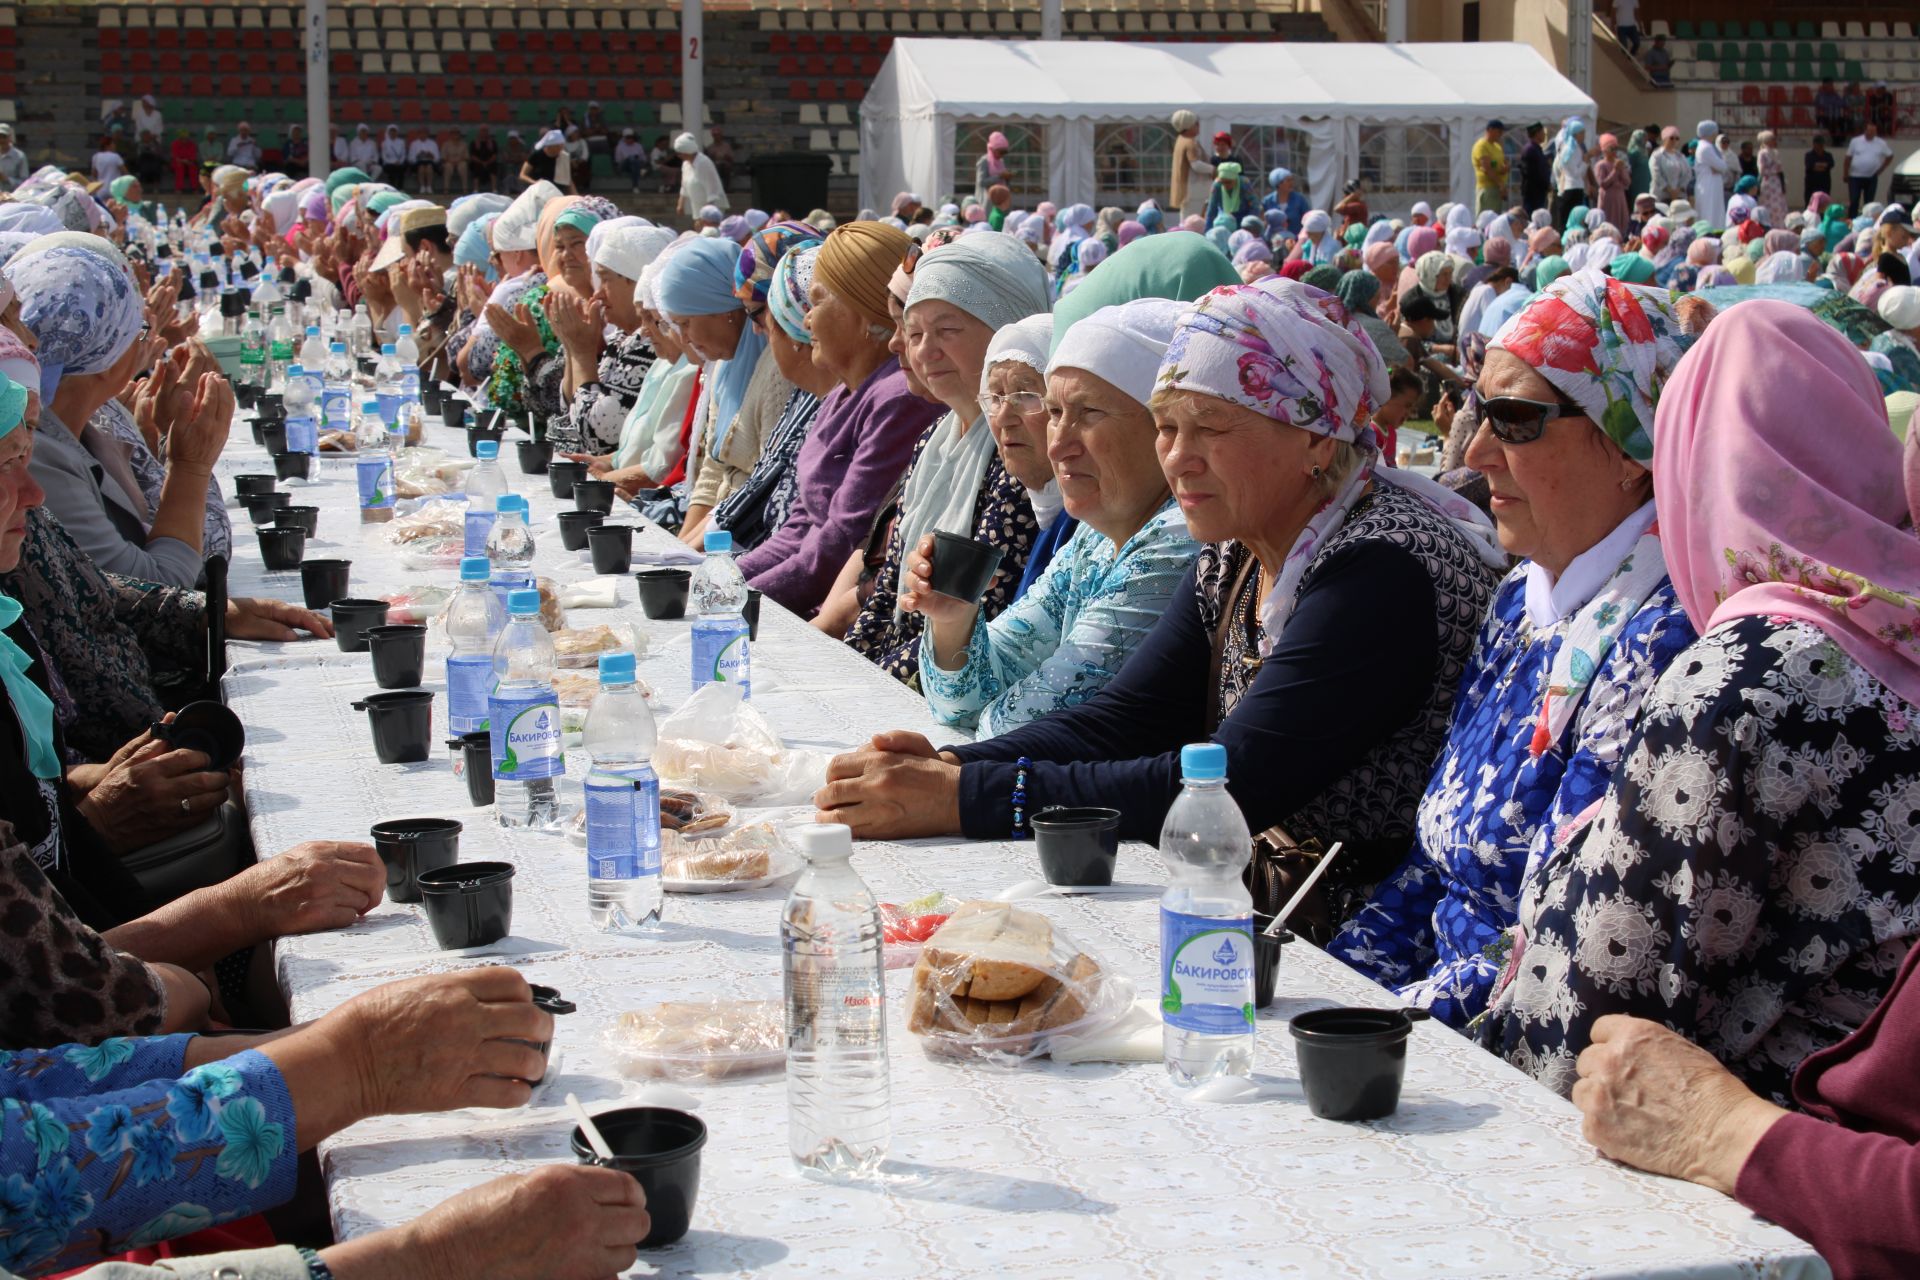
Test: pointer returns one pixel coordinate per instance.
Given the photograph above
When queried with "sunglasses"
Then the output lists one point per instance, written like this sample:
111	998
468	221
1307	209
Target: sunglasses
1517	420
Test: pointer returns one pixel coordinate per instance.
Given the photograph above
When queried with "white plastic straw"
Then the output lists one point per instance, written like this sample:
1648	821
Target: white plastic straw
1300	894
587	1126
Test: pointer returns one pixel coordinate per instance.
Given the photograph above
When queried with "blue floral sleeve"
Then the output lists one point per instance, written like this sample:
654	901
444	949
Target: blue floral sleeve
105	1148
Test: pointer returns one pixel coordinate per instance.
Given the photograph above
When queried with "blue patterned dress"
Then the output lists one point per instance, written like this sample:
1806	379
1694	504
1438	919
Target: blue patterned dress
110	1147
1059	644
1435	932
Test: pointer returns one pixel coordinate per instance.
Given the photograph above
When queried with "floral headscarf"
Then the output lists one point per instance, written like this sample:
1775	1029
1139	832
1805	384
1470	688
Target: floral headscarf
81	305
1782	521
753	274
789	291
1607	345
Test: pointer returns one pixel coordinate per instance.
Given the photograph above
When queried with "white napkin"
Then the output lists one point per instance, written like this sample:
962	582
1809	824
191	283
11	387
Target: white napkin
594	593
1134	1038
667	556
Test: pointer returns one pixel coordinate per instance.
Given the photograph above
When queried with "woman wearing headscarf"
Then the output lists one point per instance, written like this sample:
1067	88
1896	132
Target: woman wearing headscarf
1357	291
88	317
1569	169
1711	172
1432	278
530	368
653	437
1317	243
1899	306
1284	642
956	482
1577	635
850	465
1611	178
1382	261
606	352
1228	196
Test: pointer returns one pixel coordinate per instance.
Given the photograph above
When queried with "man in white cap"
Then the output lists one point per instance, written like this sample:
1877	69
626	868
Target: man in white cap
699	180
1189	162
243	148
549	162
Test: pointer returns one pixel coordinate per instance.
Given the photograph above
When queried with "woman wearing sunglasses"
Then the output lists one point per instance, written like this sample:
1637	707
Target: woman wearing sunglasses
1577	635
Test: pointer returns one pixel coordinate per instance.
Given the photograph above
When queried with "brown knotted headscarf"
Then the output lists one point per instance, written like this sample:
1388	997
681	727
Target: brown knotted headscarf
855	263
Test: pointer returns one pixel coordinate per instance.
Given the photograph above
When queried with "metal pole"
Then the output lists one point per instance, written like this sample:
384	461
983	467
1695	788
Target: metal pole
1580	44
1396	24
319	92
693	90
1049	19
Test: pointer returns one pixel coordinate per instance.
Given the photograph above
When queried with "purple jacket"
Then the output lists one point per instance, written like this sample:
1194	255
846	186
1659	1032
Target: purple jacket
849	466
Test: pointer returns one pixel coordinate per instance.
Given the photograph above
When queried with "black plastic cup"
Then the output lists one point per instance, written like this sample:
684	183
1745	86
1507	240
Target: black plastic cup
401	724
576	525
273	435
751	612
660	1147
612	547
453	413
593	495
271	406
399	655
1353	1060
433	399
476	765
293	466
1266	959
366	364
563	474
663	592
255	485
245	394
469	904
962	568
409	846
534	456
351	618
303	518
537	428
553	1002
1077	846
282	547
254	428
476	434
209	727
261	509
323	581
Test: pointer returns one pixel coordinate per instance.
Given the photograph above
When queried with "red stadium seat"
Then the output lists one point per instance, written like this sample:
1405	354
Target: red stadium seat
599	64
473	112
111	85
776	46
498	112
800	91
609	89
440	111
348	87
164	38
487	64
654	64
1751	95
458	63
343	63
617	41
109	38
111	63
252	39
198	63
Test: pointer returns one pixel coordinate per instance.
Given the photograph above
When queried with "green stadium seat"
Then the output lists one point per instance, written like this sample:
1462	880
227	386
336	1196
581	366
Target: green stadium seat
1711	31
1805	31
1803	69
1855	71
1756	52
1754	70
1683	30
1756	31
1729	68
1778	51
1782	30
1704	51
1777	71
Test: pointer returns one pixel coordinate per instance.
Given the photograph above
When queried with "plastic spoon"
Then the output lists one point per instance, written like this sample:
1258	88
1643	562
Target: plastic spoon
587	1126
1300	894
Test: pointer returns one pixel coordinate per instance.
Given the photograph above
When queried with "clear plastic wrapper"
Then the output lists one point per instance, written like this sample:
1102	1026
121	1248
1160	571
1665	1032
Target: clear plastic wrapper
690	814
431	534
700	1039
719	743
905	926
745	858
1003	985
582	646
418	603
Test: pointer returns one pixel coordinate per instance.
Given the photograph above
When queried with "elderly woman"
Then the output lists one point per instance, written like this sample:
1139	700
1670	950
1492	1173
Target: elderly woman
1318	243
1431	278
530	367
1357	291
652	443
603	378
1746	879
1589	617
1072	630
515	236
1611	176
1229	196
1320	638
956	482
89	320
863	437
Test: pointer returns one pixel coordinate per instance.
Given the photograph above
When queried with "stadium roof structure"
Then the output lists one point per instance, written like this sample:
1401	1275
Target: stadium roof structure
1330	91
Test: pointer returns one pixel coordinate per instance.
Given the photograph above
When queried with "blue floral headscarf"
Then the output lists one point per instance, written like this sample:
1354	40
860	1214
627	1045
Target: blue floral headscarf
81	305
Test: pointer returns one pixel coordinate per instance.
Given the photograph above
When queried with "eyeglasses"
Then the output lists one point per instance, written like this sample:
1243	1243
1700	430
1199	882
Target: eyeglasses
1025	403
1516	420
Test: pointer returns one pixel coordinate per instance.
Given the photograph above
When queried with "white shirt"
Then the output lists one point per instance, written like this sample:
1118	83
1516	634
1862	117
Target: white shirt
393	150
107	165
365	153
423	149
1548	600
1625	13
700	183
1865	156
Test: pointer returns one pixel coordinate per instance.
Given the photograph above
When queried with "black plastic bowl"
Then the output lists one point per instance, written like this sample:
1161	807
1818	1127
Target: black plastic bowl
1352	1061
469	904
663	592
1077	846
660	1147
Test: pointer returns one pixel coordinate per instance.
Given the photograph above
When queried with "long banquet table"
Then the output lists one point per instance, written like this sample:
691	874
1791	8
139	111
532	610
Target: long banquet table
1096	1170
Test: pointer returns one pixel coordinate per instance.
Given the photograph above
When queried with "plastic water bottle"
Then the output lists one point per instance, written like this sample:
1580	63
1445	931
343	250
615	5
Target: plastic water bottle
1206	926
523	719
336	400
303	432
360	332
313	351
838	1105
623	804
408	352
386	382
253	352
719	594
373	465
485	483
510	546
279	347
474	619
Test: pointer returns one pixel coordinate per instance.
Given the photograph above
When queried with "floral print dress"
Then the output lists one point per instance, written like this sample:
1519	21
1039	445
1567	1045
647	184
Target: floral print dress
1751	878
1435	931
594	418
111	1147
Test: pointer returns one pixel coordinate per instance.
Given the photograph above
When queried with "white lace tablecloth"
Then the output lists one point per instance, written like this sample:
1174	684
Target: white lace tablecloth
1090	1171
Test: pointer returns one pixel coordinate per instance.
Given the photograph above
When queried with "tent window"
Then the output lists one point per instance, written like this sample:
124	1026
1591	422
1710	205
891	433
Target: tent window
1404	163
1131	162
1026	157
1272	146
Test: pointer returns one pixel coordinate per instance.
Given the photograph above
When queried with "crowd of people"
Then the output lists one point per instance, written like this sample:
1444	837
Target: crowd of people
1615	717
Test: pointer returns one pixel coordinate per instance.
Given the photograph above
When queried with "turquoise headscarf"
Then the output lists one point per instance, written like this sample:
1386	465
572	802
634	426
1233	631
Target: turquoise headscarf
580	219
472	250
31	706
345	177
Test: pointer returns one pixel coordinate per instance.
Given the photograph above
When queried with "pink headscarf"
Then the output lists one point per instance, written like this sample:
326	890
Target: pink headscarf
1498	253
1780	241
1193	222
1774	520
1129	231
1379	255
1421	240
996	145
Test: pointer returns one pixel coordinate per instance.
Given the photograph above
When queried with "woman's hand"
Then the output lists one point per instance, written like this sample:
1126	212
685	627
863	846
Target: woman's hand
150	791
1657	1101
894	788
195	444
316	885
580	324
249	619
517	330
474	290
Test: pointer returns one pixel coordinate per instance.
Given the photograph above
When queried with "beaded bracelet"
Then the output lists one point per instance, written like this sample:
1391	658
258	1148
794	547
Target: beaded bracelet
1020	766
316	1269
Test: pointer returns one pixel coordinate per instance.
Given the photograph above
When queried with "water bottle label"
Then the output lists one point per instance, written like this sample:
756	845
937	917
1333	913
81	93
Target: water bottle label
1206	976
623	824
720	653
376	481
337	408
467	682
283	351
479	525
253	353
303	435
525	732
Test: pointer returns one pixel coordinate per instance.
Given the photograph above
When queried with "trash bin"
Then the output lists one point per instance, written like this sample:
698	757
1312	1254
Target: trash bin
792	180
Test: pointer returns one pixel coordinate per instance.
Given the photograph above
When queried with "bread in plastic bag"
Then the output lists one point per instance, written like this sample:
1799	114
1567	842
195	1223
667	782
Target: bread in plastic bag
905	926
700	1039
418	604
999	983
749	857
718	742
582	646
690	813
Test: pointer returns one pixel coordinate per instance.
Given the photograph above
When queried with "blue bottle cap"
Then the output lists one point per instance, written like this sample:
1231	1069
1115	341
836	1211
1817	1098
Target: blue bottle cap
296	371
474	569
1203	761
719	540
406	330
313	330
487	450
370	406
338	346
523	601
386	348
616	668
508	502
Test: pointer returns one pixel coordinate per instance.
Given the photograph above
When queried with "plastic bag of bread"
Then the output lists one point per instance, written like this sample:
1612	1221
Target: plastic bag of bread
418	604
701	1039
582	646
690	814
717	742
1000	983
750	857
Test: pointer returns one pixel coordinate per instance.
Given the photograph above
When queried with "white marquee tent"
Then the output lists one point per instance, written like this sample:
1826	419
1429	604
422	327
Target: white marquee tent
1328	91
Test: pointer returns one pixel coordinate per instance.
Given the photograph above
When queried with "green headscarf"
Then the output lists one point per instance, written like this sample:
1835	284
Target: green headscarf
119	186
1632	268
31	706
1325	277
385	200
1551	268
1180	267
1230	201
342	177
1576	218
578	217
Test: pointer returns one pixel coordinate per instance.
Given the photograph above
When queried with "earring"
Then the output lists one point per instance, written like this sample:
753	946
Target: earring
1316	473
1625	485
